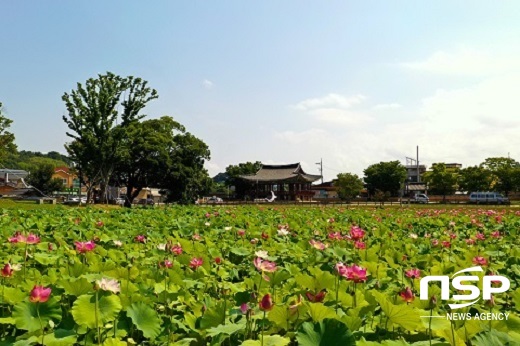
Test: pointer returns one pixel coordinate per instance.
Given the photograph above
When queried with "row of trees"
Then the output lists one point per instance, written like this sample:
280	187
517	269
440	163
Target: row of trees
112	144
494	174
389	178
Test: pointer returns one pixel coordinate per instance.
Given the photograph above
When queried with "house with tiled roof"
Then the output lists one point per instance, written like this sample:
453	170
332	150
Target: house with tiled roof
288	182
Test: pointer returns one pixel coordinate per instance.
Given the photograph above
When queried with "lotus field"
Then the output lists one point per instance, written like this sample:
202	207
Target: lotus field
256	276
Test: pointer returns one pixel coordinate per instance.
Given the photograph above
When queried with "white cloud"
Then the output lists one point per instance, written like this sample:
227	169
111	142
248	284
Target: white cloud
329	101
207	84
335	109
387	106
465	61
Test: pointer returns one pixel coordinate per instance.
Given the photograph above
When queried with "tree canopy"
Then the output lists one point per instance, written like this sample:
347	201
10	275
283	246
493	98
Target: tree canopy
441	180
98	113
6	138
349	185
386	177
160	153
475	178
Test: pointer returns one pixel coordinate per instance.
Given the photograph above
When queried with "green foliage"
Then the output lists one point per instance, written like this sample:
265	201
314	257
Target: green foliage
386	177
86	314
145	319
218	302
327	332
97	127
41	178
475	178
441	180
349	185
234	171
6	138
505	172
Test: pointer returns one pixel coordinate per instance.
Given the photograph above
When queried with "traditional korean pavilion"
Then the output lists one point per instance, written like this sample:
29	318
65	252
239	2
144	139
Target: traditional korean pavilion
288	182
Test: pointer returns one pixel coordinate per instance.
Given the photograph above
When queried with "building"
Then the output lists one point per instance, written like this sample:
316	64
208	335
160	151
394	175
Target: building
413	183
288	182
325	190
70	179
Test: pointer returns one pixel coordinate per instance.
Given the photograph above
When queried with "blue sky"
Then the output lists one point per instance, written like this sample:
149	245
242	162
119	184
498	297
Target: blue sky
352	82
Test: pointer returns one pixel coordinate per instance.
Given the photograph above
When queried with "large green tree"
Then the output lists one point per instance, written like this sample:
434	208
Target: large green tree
505	172
6	138
160	153
386	177
97	113
234	171
441	180
40	177
349	185
475	178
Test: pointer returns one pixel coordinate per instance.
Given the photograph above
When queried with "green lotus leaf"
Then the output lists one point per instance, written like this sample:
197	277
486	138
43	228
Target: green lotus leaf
403	315
114	342
213	316
45	258
84	310
269	340
61	337
26	314
319	312
328	332
145	319
76	287
12	295
226	329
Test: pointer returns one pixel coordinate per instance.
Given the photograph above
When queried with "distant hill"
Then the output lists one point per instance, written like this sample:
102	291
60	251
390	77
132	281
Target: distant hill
220	178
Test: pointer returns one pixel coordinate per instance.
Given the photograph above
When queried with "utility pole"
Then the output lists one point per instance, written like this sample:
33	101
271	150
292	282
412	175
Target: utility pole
321	169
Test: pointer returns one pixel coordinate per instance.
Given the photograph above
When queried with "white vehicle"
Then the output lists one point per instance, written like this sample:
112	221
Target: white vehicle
488	198
420	198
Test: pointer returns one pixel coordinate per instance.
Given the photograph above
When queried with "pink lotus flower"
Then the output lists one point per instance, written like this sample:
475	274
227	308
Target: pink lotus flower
196	237
407	295
266	304
318	245
264	265
446	243
244	308
496	234
435	242
353	273
479	260
18	238
195	263
331	220
84	247
470	241
413	273
265	236
356	233
100	224
218	261
360	245
39	294
177	249
316	298
341	269
254	241
140	238
335	236
166	264
32	239
241	232
7	271
480	236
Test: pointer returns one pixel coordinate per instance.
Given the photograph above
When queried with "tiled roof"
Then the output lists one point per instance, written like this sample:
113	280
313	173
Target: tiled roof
288	173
